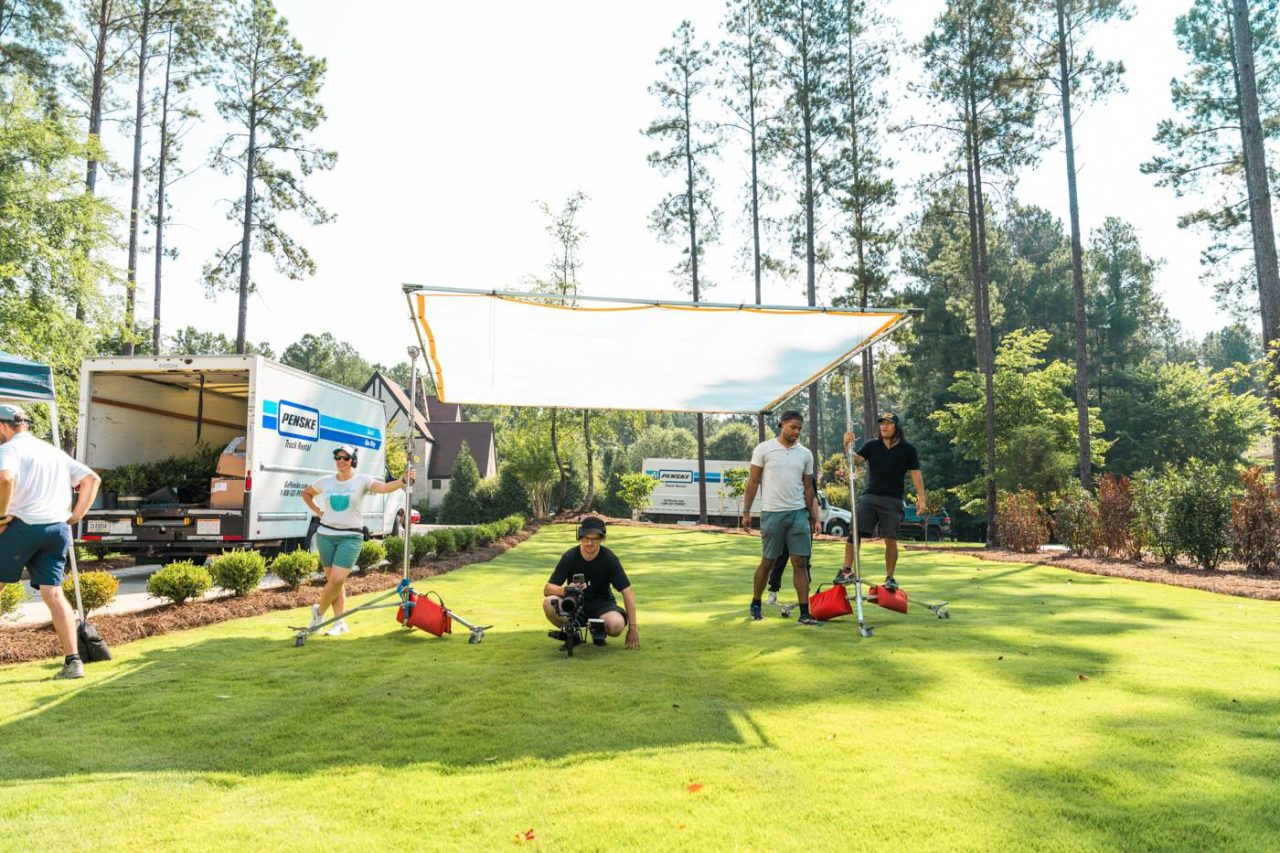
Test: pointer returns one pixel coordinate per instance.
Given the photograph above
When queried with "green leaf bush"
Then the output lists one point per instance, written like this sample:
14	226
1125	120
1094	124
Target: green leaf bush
295	567
421	546
371	553
97	589
10	598
395	549
239	571
1200	514
1075	521
179	582
446	542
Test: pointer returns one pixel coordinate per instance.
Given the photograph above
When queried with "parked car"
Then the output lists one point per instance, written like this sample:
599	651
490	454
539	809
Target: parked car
912	526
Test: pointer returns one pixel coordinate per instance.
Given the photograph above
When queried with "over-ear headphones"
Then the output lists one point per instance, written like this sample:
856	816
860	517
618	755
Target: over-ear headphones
350	451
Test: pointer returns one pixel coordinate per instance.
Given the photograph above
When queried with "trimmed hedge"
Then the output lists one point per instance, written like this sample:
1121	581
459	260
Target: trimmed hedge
295	567
421	545
179	582
395	549
97	589
239	571
371	553
10	598
446	541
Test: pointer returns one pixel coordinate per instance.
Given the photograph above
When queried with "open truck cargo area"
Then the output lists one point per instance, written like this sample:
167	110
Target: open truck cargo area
272	430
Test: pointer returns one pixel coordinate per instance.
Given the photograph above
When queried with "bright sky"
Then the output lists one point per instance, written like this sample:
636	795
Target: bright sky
452	120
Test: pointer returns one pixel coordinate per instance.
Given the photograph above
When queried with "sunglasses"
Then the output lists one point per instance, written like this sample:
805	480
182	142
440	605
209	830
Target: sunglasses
594	539
341	456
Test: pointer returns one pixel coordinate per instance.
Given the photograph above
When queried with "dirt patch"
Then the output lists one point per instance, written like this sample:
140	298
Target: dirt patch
1229	580
38	642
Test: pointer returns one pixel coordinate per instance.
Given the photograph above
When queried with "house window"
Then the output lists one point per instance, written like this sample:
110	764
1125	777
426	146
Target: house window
435	484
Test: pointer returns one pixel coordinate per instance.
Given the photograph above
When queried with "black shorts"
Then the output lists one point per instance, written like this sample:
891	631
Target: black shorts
878	511
597	609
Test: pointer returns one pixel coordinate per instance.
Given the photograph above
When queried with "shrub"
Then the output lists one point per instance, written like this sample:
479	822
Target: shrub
97	589
445	542
1152	497
1255	524
464	537
1200	514
515	523
484	535
1075	521
1020	522
460	505
395	549
371	553
1115	517
10	598
420	546
837	495
179	582
295	567
239	571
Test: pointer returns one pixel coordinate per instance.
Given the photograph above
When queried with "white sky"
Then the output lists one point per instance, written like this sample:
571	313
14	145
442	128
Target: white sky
451	120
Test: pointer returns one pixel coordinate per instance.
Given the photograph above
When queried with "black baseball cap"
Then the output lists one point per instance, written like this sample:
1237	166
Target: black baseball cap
591	524
892	417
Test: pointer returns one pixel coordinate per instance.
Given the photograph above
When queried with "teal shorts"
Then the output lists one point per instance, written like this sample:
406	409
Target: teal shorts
790	528
339	552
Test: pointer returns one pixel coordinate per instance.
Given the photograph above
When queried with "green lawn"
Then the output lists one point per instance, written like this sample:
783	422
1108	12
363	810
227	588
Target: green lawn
972	733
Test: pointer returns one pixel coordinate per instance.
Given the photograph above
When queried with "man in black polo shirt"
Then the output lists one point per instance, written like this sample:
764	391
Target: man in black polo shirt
889	458
600	570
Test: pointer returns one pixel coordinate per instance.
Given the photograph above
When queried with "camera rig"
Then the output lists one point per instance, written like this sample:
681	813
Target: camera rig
576	626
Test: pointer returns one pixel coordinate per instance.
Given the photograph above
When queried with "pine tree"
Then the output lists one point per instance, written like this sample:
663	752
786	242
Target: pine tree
460	505
269	94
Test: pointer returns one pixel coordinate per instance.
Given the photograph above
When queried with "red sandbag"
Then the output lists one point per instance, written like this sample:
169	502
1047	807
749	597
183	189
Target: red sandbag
427	614
896	600
830	604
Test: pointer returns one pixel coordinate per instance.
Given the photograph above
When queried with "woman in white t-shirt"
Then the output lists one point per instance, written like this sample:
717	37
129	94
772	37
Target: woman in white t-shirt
341	533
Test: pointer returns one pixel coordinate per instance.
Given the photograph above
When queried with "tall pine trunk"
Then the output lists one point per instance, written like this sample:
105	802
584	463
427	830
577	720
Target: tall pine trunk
1255	171
1085	460
95	112
160	196
555	454
135	192
242	322
981	306
591	471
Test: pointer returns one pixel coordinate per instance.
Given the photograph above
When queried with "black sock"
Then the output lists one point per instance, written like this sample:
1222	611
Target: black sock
804	611
755	602
69	658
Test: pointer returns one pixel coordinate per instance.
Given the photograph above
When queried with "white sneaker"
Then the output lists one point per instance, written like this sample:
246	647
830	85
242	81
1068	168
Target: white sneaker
339	628
316	619
771	598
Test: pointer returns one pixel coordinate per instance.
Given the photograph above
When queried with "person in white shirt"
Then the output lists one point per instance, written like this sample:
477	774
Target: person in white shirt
36	517
788	509
341	532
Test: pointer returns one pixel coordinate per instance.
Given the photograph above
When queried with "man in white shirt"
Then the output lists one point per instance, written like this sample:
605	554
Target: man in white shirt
788	509
36	516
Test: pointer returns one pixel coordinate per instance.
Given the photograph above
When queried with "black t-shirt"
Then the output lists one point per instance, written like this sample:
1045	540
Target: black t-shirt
601	573
886	466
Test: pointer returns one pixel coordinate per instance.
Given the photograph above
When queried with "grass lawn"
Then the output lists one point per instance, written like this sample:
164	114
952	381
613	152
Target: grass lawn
974	733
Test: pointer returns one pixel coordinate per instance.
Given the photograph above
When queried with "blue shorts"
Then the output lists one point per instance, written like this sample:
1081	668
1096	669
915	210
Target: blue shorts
42	548
338	552
790	528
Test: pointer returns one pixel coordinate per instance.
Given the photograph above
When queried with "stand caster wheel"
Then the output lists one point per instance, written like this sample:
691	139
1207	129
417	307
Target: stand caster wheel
300	640
866	631
477	636
785	612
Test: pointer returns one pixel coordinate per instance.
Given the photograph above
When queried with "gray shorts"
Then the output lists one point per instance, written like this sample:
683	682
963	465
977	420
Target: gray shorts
790	528
878	511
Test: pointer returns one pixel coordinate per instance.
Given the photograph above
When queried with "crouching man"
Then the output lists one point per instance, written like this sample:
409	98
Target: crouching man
593	569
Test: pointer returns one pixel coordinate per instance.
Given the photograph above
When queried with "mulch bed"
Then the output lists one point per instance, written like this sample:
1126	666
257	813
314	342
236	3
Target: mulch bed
1229	580
38	642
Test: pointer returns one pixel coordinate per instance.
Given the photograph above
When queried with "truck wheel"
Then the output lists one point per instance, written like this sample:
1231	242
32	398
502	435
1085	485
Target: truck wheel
395	525
837	528
935	533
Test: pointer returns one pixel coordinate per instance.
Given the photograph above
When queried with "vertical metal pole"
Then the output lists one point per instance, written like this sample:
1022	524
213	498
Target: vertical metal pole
409	455
71	552
853	509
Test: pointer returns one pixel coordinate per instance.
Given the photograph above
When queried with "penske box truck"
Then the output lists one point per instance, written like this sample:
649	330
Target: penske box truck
272	428
675	497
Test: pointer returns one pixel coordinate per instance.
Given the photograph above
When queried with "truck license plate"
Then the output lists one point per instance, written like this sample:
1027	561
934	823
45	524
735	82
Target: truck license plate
208	526
122	527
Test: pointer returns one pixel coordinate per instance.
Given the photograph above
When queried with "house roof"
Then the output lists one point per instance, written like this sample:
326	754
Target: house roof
438	412
449	437
401	398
